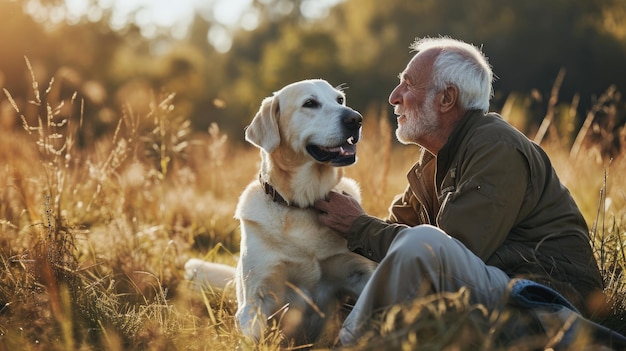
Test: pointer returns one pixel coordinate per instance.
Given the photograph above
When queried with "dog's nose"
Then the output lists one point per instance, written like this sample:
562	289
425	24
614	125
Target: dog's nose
352	119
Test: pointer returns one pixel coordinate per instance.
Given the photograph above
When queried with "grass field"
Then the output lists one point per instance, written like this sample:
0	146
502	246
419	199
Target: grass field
93	239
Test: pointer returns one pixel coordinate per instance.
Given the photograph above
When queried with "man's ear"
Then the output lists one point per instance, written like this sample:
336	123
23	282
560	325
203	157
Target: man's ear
263	130
449	98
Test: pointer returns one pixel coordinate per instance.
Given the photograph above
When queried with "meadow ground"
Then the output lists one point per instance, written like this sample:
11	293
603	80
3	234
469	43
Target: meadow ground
94	233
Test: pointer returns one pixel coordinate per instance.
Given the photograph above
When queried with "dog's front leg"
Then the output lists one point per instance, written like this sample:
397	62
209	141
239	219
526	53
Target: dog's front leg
261	294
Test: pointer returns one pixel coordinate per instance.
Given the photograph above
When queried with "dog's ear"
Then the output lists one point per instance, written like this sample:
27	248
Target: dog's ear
263	130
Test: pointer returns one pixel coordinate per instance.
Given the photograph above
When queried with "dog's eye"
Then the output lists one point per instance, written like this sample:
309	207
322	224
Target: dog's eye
340	100
310	103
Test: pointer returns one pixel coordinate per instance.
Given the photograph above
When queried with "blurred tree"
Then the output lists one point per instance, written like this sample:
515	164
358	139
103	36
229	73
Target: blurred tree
360	43
527	42
541	37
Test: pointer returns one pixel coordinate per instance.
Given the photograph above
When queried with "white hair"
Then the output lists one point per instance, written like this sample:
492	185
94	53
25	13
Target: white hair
463	65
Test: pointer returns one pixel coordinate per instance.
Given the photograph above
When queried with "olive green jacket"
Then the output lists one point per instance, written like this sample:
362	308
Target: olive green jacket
497	192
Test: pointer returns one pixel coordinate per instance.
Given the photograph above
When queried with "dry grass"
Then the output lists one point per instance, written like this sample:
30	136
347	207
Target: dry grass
93	239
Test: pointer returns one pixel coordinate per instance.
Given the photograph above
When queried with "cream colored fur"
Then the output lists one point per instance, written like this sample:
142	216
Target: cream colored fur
291	266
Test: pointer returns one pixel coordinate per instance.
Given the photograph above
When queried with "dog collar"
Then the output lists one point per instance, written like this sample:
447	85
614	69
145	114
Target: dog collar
276	197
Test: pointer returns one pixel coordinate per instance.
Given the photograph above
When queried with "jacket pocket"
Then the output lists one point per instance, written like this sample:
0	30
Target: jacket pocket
473	192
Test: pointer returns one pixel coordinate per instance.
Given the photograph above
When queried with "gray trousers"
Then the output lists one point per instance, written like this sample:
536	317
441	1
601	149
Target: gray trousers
423	260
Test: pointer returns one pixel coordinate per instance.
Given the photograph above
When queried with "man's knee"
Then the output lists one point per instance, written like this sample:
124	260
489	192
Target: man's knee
423	242
422	237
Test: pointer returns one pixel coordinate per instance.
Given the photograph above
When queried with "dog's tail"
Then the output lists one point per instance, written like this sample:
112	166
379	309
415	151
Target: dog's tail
209	274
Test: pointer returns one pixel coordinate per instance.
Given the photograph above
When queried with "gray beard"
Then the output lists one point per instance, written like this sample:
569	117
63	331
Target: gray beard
425	124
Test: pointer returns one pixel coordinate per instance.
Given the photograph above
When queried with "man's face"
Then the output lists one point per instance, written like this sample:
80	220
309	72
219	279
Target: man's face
414	101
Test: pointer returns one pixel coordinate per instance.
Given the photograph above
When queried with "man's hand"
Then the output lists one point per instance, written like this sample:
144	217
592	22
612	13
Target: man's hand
339	211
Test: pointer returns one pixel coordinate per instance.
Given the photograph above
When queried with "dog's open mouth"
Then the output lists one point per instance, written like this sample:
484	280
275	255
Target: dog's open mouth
342	155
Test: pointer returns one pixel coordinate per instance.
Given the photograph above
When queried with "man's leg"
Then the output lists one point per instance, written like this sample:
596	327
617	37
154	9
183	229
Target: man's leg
423	260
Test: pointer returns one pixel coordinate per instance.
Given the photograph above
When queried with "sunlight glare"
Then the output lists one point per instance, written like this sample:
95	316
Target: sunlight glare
154	16
220	38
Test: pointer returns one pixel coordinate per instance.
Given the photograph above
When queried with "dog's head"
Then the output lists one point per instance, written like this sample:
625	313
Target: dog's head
310	117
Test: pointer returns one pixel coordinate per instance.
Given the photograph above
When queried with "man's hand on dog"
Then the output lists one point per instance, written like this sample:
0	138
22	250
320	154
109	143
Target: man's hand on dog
338	211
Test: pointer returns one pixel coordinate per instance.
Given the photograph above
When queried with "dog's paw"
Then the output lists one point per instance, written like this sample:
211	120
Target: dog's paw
204	273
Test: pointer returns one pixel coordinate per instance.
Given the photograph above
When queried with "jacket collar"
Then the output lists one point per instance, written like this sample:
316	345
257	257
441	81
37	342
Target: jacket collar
424	169
421	182
451	147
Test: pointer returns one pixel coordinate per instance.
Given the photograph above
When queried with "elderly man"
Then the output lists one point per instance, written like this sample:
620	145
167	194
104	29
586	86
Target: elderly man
483	203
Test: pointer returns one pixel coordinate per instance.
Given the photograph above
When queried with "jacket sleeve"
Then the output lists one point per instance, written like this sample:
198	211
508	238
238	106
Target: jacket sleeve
485	205
371	237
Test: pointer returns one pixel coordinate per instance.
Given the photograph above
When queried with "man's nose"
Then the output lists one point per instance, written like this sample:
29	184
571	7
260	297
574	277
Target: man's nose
395	97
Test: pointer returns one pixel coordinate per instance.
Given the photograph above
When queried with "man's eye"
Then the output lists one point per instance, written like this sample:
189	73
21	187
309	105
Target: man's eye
310	103
340	100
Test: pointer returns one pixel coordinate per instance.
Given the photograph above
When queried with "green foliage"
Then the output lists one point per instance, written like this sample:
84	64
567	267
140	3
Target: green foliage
360	44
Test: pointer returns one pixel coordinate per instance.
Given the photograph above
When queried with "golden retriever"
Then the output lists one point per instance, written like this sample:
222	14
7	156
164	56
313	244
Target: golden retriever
292	269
